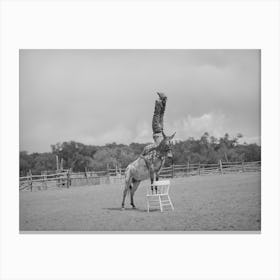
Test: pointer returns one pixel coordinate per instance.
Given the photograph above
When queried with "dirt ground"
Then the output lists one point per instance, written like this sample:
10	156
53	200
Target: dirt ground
202	203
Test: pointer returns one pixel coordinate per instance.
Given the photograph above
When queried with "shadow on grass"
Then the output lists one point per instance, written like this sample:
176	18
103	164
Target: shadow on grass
130	209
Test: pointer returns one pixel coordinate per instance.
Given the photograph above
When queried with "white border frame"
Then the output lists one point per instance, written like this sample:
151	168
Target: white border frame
155	24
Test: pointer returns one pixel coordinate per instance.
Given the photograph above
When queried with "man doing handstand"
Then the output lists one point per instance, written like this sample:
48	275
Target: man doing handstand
157	123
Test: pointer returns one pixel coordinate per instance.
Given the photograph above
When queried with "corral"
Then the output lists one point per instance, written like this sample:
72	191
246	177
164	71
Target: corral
202	203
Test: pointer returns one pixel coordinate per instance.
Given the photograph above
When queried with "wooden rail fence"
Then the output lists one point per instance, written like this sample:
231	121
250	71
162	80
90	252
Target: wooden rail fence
66	178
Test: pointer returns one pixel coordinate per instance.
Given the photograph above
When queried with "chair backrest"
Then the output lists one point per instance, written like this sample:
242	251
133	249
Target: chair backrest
162	187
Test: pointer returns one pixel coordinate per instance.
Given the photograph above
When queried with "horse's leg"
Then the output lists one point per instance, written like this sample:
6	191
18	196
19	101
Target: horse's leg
152	176
132	191
152	180
157	176
124	195
127	185
158	171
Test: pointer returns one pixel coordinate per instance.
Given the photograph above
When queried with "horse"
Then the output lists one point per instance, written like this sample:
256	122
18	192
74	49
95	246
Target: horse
146	166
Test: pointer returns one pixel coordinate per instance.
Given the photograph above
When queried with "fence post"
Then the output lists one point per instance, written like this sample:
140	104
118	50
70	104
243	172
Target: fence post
108	174
86	174
243	166
188	168
199	168
221	166
57	164
61	164
173	170
68	182
30	180
57	178
44	182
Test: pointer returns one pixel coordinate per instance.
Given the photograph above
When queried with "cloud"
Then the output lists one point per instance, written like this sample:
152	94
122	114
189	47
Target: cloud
119	134
249	140
143	133
213	123
102	96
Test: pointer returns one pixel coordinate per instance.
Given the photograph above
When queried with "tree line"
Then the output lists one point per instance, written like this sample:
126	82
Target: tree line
77	156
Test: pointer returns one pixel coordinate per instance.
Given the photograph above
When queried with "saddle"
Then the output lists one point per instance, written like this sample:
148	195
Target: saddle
149	158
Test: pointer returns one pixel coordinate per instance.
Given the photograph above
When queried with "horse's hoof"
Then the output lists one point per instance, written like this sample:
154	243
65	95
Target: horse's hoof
133	206
123	208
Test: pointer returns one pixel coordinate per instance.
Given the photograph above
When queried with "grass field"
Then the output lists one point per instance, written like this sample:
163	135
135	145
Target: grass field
202	203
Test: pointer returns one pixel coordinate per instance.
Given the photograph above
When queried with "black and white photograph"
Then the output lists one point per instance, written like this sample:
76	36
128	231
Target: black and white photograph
139	140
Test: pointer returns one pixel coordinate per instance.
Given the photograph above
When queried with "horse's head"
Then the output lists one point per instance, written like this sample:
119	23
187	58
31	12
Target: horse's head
165	146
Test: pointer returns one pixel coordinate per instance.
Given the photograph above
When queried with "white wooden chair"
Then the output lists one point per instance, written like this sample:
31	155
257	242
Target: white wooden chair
159	196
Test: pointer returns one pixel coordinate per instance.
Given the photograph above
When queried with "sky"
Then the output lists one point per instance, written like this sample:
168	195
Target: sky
102	96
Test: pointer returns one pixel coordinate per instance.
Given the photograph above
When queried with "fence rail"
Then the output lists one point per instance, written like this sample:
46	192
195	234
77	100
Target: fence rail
66	178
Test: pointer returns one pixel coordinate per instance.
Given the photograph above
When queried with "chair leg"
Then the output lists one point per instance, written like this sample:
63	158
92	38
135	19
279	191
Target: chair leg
172	206
170	203
160	205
